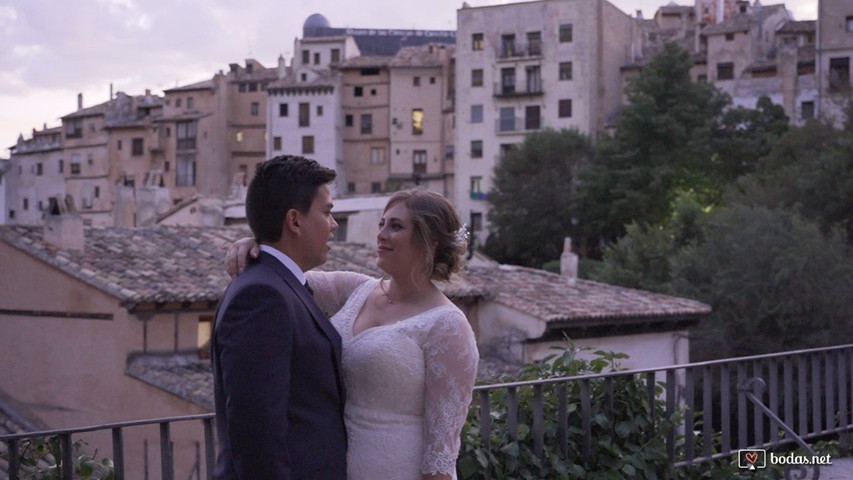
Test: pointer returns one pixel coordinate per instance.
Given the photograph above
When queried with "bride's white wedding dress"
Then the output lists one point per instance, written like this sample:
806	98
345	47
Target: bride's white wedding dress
408	384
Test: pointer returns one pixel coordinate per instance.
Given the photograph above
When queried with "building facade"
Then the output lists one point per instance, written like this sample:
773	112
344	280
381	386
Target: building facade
834	54
526	66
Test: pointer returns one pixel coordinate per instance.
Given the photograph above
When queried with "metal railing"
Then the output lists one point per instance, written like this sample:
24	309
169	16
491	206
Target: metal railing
805	393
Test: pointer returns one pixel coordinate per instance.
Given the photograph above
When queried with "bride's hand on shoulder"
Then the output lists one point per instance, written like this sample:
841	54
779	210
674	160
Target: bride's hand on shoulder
239	255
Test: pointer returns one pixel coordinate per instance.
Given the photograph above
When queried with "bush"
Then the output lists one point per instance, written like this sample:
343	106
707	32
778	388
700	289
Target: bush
627	442
41	459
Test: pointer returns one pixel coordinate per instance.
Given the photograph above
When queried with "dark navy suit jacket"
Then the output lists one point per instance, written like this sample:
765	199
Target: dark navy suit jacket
277	381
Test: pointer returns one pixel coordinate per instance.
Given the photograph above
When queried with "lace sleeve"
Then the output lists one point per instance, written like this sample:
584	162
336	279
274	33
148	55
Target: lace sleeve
451	357
331	289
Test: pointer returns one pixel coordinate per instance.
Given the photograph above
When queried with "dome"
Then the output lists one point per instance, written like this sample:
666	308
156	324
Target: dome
316	21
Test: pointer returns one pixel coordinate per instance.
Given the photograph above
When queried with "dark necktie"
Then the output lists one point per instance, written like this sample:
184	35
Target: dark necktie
308	287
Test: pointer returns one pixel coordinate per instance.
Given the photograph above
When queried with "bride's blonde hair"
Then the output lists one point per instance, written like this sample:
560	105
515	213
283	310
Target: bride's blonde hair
437	228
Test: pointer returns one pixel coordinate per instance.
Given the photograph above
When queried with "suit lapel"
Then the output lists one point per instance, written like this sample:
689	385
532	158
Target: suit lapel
317	315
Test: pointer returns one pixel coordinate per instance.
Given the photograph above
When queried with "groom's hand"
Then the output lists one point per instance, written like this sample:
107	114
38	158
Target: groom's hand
239	254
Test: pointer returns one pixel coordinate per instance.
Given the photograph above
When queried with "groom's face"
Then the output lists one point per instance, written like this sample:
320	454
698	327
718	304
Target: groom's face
318	229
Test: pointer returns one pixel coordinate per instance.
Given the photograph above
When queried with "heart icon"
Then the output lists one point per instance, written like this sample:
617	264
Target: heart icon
751	457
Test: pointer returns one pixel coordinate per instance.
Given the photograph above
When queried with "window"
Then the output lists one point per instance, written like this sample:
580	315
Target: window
477	188
185	170
276	143
565	70
303	77
39	169
241	88
97	192
417	121
448	152
849	23
508	45
807	110
507	119
348	120
476	41
178	103
534	43
432	80
416	81
476	114
282	109
476	221
336	55
316	58
419	161
306	57
566	33
839	73
377	155
61	166
73	128
304	114
477	77
725	71
376	187
351	187
730	37
308	144
90	159
564	108
26	203
186	135
366	124
11	214
239	137
534	79
508	80
319	110
476	149
137	146
190	103
256	108
253	87
358	91
373	92
532	117
368	72
118	145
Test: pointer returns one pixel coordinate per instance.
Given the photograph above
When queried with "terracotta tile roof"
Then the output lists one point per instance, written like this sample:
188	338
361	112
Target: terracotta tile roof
172	263
203	85
552	298
365	62
421	56
673	9
739	22
186	376
804	26
324	78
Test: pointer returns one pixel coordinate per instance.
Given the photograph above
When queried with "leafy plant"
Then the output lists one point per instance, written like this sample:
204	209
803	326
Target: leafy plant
41	459
627	440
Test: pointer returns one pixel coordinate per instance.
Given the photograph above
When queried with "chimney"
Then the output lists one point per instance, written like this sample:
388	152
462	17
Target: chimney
111	90
569	262
63	226
79	101
639	14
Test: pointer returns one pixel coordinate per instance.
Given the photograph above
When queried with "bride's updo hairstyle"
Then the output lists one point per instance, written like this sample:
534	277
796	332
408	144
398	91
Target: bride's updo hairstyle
437	228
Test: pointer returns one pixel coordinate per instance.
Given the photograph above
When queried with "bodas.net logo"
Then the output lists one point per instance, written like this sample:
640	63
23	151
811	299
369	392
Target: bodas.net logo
751	458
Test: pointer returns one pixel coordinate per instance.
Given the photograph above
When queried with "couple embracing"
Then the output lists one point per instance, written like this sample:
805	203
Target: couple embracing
378	391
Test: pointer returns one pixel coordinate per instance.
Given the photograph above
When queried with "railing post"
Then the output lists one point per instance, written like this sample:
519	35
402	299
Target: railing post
586	420
688	414
209	448
512	414
563	418
166	460
538	423
707	411
67	460
118	454
670	410
14	459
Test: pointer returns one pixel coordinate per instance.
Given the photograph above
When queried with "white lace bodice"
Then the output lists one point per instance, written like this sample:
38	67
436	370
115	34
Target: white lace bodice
409	384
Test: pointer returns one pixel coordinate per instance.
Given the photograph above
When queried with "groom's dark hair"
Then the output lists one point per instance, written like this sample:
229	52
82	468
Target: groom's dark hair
282	183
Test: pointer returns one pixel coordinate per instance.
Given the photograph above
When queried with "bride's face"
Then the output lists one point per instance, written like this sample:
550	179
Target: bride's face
397	251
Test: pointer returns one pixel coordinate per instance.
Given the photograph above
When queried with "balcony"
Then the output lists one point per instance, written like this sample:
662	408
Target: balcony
518	50
533	89
517	125
698	413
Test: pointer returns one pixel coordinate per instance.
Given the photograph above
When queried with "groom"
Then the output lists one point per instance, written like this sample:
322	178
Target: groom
276	357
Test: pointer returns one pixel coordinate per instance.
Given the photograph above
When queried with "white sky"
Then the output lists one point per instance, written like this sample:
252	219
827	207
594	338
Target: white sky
52	49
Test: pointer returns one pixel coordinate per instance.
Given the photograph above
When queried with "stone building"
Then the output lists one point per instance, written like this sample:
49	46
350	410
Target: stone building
525	66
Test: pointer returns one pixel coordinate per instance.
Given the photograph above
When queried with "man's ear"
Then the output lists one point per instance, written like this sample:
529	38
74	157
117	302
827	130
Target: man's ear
292	222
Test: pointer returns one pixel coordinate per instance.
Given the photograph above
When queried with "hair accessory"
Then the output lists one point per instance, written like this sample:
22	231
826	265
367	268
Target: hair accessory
461	236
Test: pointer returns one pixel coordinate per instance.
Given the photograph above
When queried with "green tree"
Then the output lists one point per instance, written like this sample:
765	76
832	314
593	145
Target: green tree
530	212
657	152
774	280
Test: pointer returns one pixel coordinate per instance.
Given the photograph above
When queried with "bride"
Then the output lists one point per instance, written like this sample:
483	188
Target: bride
409	354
